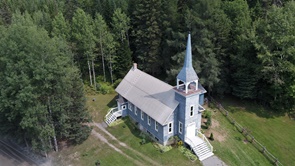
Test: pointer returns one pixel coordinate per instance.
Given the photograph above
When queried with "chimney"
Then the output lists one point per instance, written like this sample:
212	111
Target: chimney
134	66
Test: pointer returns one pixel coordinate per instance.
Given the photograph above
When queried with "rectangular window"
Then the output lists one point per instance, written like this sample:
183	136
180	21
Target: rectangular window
130	106
142	115
170	127
156	125
149	120
135	110
192	111
180	128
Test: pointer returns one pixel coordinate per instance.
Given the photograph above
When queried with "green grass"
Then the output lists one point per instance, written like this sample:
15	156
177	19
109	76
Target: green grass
93	149
100	106
229	144
126	133
275	131
88	153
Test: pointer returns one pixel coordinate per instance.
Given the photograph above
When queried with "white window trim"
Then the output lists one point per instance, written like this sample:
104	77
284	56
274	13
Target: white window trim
180	124
135	110
142	115
192	111
129	105
171	127
123	107
156	126
149	120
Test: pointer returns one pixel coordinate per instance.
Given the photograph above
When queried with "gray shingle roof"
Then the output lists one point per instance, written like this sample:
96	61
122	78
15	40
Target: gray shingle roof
154	97
187	73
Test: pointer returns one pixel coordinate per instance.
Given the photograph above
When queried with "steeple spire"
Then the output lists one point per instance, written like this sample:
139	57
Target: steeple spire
188	54
187	73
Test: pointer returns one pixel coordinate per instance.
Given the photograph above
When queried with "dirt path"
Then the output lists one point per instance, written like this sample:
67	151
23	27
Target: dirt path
102	138
102	128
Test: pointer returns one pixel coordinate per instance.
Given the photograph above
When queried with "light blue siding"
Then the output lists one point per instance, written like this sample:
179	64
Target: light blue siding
201	99
143	125
185	104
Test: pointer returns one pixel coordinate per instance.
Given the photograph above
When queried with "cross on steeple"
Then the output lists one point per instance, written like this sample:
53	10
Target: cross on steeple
187	74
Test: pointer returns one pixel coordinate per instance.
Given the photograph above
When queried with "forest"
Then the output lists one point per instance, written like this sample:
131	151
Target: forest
52	50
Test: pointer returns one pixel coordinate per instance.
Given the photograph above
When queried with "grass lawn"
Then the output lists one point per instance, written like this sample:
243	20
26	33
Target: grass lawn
93	149
229	144
276	132
100	106
88	153
126	133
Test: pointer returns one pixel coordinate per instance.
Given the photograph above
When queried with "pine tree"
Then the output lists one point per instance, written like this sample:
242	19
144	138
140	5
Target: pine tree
147	35
274	40
38	75
244	64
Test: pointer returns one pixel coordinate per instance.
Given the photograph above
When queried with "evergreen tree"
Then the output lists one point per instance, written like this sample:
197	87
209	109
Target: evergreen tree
60	27
274	40
37	76
120	27
147	35
244	64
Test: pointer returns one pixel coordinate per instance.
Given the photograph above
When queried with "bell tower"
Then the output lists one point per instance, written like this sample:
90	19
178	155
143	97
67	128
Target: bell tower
187	93
187	75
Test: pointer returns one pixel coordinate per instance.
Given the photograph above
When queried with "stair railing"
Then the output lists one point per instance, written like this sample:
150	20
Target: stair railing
203	137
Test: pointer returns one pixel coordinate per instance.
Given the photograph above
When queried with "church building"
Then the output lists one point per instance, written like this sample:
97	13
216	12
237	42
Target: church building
162	110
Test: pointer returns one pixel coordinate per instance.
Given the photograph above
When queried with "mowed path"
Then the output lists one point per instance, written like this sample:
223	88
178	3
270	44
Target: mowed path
120	144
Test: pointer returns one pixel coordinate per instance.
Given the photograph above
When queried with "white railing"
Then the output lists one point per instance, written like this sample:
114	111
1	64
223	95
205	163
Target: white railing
201	108
112	110
203	137
190	142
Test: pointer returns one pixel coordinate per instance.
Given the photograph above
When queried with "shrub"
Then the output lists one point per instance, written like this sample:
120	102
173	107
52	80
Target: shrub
208	123
116	83
207	114
97	163
105	88
211	137
162	148
187	153
179	143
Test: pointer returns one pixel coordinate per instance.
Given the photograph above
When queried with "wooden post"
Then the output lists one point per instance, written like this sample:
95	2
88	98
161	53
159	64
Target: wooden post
252	140
276	161
263	149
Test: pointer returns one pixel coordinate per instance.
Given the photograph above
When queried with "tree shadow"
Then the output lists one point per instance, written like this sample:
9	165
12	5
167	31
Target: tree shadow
234	105
113	102
136	131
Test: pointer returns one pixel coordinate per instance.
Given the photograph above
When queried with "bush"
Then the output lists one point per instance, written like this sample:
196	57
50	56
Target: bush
188	153
162	148
97	163
208	123
105	88
211	137
116	83
207	114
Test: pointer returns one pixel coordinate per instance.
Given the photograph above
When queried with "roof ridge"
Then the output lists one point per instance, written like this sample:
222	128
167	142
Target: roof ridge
135	85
